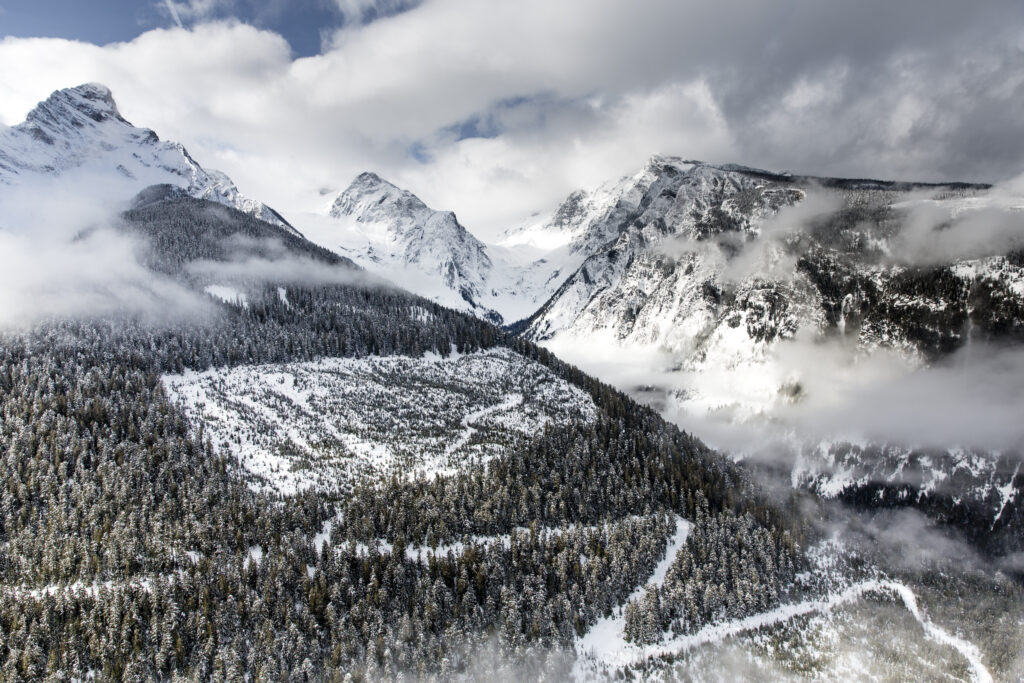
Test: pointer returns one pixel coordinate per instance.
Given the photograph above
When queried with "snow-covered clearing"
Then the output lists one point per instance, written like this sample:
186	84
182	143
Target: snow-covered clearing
326	423
75	589
609	649
228	295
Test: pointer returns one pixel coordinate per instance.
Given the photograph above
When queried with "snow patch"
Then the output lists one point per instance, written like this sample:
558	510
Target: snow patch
326	424
228	295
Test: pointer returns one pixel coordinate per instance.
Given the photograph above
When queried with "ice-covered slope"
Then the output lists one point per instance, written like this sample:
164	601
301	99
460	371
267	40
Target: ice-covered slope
393	233
77	142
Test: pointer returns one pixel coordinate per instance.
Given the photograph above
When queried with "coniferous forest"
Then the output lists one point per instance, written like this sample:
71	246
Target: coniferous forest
134	548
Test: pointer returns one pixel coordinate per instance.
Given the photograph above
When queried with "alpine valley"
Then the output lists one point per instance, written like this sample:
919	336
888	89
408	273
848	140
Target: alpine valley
350	446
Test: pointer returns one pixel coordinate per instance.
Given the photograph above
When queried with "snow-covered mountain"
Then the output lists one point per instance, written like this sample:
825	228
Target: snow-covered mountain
77	139
715	264
729	294
732	294
393	233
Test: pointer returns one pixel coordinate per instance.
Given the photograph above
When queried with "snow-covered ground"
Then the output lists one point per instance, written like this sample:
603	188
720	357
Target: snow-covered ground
610	649
603	649
605	642
325	423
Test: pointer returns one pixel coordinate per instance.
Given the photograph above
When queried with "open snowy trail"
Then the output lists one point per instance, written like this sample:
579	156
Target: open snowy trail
605	645
468	430
606	636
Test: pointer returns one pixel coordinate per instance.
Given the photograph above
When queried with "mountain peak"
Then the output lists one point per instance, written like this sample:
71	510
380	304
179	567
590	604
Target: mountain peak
659	162
370	197
368	178
81	127
92	101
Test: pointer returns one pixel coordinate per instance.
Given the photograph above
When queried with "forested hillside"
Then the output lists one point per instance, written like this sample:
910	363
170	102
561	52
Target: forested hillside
132	548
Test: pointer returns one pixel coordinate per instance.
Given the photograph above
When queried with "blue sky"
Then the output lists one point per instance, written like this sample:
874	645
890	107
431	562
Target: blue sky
498	109
300	22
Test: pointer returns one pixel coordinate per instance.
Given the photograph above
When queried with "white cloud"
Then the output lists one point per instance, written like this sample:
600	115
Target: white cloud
577	92
61	258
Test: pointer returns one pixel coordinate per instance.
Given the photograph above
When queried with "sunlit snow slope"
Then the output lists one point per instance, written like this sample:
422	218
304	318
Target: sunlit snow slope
327	423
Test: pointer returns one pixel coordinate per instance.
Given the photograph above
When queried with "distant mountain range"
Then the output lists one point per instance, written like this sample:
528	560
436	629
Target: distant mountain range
713	266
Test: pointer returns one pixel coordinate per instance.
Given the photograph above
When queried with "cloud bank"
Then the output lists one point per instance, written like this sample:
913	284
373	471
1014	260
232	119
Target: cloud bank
498	110
269	261
95	275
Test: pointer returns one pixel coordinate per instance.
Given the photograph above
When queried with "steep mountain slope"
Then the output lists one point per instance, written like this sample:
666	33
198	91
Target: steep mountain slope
730	295
392	233
78	139
180	477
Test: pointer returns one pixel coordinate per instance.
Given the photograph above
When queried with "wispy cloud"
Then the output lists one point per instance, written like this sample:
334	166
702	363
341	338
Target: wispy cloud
268	260
192	11
173	10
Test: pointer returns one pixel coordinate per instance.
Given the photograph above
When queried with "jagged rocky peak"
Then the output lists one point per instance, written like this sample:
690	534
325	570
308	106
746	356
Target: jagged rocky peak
670	194
393	233
371	199
90	102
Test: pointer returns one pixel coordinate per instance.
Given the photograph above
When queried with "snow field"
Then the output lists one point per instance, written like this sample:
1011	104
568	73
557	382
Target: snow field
325	424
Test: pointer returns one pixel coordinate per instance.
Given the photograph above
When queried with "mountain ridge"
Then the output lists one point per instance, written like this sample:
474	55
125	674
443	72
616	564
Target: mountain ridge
80	131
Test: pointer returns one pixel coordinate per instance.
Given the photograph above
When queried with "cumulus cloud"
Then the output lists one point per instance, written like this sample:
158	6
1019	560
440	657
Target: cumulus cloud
573	93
